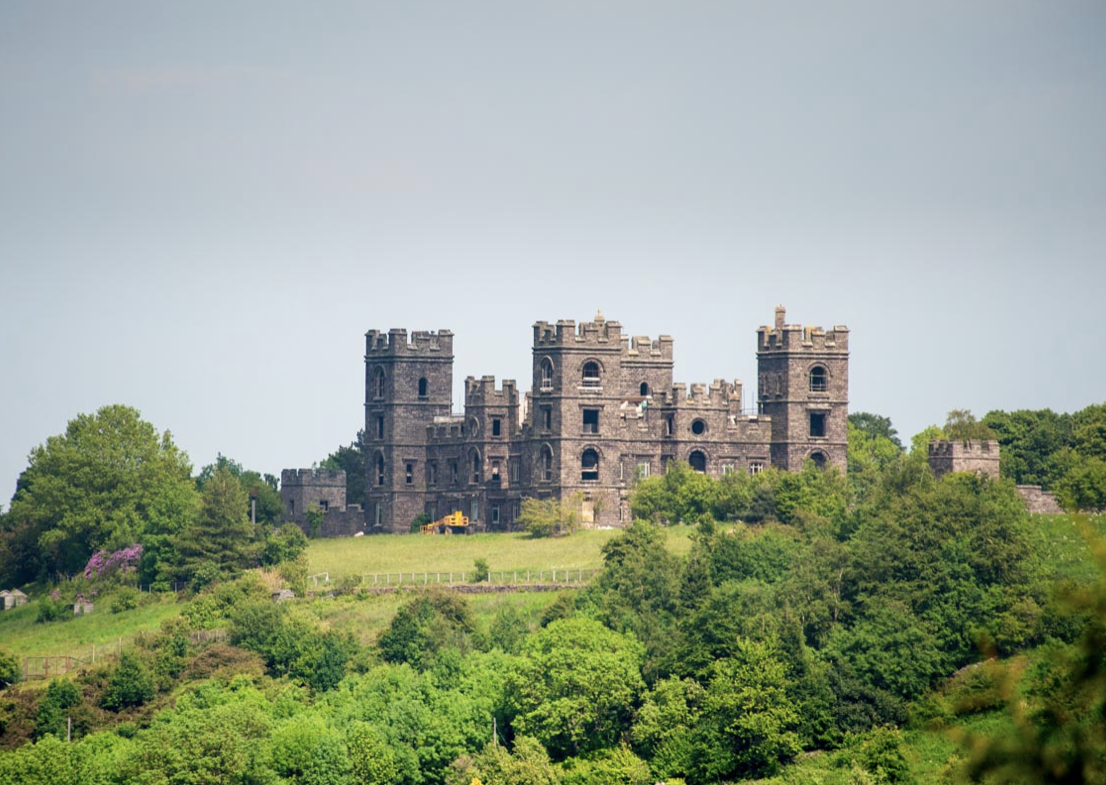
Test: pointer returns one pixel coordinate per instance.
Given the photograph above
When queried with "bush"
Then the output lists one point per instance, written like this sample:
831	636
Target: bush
9	669
481	574
126	599
55	707
130	684
53	608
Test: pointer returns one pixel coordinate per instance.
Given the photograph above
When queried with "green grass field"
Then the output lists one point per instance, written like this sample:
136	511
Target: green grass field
382	554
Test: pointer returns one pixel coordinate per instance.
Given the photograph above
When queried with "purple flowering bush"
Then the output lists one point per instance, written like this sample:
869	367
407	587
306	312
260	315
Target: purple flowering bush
121	562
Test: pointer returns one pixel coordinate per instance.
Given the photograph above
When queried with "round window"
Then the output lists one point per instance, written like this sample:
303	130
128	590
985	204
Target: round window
698	427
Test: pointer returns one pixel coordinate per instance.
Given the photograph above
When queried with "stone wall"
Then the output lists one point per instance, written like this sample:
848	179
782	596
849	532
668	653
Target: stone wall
1038	500
955	455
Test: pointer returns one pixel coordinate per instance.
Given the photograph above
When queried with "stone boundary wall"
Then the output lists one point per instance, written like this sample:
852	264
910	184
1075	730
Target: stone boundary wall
1038	500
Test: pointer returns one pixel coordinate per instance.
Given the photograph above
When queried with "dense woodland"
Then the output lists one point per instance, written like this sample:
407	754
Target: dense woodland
817	621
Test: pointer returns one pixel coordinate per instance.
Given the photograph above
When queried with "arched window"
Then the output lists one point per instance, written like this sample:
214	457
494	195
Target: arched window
476	467
378	383
591	374
423	387
546	463
818	379
644	389
546	374
589	465
698	461
819	459
379	469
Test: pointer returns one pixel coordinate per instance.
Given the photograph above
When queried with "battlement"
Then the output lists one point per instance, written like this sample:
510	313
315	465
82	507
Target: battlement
719	394
483	392
395	342
956	455
783	337
446	429
290	477
598	332
641	347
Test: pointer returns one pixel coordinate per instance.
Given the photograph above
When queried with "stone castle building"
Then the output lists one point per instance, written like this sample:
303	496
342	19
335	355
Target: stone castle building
602	410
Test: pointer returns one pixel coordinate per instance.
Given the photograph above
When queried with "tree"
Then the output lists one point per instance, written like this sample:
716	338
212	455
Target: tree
550	517
576	688
9	669
875	426
370	757
351	460
961	424
221	534
110	480
262	489
422	627
130	684
61	698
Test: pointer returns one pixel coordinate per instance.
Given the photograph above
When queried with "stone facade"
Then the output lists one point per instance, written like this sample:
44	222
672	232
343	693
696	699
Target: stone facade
1038	500
324	490
955	455
602	410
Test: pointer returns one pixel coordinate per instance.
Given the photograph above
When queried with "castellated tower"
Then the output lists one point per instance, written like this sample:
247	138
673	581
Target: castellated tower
407	384
804	387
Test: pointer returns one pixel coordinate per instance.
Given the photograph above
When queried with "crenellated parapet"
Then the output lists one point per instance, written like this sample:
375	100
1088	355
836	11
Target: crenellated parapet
483	392
565	333
955	455
784	337
317	477
395	342
641	347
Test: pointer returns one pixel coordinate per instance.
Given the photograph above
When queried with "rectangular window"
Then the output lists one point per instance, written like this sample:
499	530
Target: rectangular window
547	418
495	514
410	473
324	505
432	473
643	469
496	426
727	468
291	506
514	471
380	426
817	424
379	514
453	471
669	425
591	421
475	510
756	467
495	471
516	508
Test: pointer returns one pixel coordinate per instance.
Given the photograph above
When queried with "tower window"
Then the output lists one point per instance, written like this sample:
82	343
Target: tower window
644	389
379	383
453	472
379	469
698	427
547	418
291	506
818	379
432	473
380	426
591	421
546	464
410	473
698	461
591	374
495	471
497	426
476	467
589	465
546	375
423	387
819	459
817	424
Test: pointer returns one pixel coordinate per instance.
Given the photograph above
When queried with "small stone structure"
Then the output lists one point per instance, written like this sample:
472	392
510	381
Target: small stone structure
12	599
304	492
1038	500
956	455
284	595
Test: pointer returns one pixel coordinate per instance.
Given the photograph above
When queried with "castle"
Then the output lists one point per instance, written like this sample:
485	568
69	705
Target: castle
602	411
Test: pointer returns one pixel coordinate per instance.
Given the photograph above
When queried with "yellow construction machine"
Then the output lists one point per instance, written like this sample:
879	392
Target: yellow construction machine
454	523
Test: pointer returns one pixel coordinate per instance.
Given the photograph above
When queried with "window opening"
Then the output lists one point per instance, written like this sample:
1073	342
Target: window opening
698	427
589	465
643	469
591	421
497	426
495	514
495	470
817	379
546	464
379	469
547	418
644	389
476	467
379	383
380	426
422	387
819	460
432	473
453	472
756	467
546	375
291	506
698	461
817	424
514	470
410	473
591	374
324	505
669	425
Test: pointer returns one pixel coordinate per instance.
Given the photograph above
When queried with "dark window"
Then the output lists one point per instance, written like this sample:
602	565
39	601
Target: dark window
644	389
589	465
591	421
698	427
819	460
546	375
818	379
591	374
495	470
410	473
495	514
379	469
476	467
324	505
379	383
291	506
380	426
497	426
514	471
432	473
453	471
546	464
547	418
669	425
817	424
698	461
422	387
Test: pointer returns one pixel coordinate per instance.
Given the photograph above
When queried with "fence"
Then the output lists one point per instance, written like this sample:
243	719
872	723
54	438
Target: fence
50	665
500	577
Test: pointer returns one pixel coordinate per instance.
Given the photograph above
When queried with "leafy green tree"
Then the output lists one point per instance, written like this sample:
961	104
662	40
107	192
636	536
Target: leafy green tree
264	490
874	426
919	443
221	534
550	517
371	760
664	728
1083	485
680	495
110	480
617	766
961	424
426	625
576	688
351	459
9	669
308	752
526	764
870	452
130	684
1029	440
748	722
283	545
59	702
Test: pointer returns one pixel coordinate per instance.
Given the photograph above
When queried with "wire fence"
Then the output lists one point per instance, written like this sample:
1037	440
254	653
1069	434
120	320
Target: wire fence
497	577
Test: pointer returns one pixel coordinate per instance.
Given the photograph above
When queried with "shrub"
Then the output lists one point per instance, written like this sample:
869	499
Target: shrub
130	684
126	599
481	574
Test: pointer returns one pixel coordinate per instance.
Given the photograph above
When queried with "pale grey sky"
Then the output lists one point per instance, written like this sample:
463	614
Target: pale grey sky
204	205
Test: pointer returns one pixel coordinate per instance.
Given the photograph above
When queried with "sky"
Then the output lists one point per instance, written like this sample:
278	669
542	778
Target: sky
204	206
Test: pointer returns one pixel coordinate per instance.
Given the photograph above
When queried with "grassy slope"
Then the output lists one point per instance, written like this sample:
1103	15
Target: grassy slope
441	553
